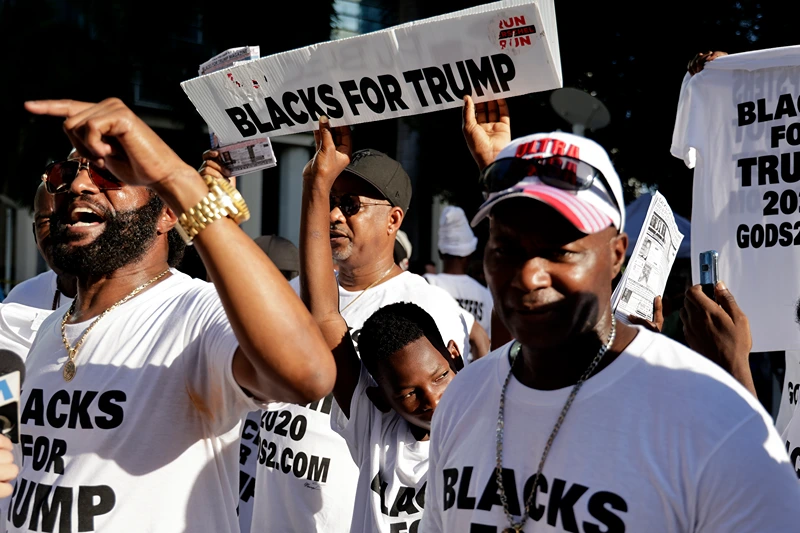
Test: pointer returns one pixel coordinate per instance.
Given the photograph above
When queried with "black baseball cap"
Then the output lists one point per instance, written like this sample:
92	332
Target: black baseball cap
383	173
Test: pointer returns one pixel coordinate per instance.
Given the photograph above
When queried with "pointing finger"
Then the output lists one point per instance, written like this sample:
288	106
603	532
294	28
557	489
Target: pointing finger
57	108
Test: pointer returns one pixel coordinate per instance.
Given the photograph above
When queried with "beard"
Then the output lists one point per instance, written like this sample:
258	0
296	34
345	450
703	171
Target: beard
127	237
342	253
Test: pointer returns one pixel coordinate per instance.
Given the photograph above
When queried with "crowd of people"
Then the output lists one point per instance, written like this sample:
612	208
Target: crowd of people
328	388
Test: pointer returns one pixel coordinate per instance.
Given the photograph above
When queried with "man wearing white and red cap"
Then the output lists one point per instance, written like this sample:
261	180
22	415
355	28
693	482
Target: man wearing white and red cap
582	424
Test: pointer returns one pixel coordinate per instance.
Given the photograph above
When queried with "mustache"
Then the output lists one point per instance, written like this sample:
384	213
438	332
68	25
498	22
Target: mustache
341	229
61	213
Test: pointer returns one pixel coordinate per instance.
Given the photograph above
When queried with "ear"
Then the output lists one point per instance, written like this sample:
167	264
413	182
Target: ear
167	221
619	244
378	399
456	361
396	216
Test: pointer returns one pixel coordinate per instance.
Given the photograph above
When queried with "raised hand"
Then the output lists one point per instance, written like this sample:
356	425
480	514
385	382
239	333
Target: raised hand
487	129
213	167
334	147
719	330
698	62
658	317
110	135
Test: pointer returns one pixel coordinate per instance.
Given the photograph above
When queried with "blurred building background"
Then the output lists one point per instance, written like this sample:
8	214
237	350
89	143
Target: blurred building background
141	50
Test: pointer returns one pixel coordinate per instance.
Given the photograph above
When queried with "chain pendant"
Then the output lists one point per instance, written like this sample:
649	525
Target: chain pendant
69	370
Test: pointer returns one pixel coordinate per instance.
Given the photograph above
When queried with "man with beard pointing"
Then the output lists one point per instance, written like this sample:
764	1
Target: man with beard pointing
134	396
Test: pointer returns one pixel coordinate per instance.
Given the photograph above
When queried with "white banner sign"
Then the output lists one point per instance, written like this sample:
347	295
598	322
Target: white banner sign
496	50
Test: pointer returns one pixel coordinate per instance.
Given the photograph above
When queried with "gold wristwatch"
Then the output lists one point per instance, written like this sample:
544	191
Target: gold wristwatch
222	200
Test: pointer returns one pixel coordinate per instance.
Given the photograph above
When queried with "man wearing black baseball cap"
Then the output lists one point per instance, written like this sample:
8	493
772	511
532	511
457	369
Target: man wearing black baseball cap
368	202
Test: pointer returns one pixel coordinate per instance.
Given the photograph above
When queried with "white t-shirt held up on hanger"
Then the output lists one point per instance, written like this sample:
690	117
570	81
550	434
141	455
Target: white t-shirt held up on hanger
738	126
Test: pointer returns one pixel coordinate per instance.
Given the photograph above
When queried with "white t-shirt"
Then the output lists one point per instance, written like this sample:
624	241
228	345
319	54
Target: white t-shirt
454	322
737	126
146	436
469	294
661	440
306	479
393	464
37	292
19	325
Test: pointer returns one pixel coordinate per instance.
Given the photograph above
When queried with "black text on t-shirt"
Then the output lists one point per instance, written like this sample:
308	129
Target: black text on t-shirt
407	502
43	506
247	483
472	307
607	508
293	427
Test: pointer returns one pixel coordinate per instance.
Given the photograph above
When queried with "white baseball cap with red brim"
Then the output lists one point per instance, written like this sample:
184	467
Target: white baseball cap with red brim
590	209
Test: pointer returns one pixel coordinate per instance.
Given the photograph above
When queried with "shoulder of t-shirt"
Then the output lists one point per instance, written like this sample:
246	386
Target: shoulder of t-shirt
32	289
426	290
195	295
784	56
682	372
477	284
462	391
432	296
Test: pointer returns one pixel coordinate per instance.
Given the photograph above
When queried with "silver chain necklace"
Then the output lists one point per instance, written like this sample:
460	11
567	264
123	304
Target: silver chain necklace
516	527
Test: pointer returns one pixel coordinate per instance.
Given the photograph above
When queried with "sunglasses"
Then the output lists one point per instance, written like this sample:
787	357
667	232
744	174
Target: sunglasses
349	204
58	176
562	172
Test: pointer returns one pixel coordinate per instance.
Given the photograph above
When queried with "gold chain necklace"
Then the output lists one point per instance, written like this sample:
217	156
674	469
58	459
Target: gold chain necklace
368	288
70	369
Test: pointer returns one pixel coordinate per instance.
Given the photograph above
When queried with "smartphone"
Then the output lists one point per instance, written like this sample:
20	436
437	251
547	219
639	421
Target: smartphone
709	273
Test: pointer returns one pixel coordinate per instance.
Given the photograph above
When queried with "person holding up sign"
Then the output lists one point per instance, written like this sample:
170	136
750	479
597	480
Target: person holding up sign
367	202
134	395
584	423
385	401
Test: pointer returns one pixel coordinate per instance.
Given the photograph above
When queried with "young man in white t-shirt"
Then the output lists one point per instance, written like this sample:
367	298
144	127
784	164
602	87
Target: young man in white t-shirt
583	424
135	426
385	401
457	243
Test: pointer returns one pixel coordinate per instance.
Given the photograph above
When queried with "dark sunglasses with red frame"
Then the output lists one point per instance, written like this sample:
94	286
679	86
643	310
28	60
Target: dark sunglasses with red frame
58	176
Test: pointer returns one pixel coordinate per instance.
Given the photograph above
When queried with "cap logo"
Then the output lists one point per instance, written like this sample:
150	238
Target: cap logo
548	146
358	156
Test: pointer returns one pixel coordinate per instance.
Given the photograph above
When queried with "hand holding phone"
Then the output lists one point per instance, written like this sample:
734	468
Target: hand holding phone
709	275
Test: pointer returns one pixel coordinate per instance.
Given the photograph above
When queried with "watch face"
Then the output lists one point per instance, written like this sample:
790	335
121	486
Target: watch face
227	201
233	201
